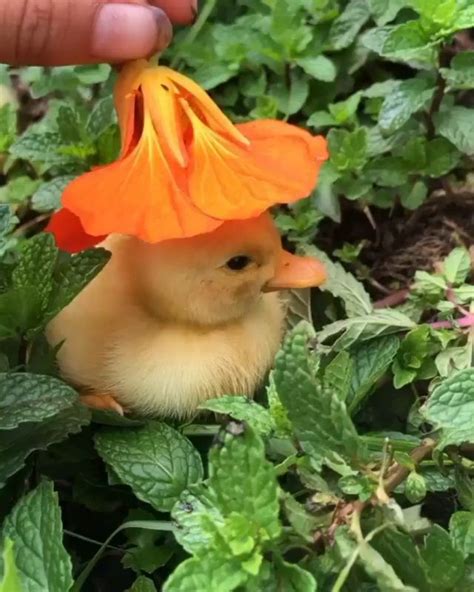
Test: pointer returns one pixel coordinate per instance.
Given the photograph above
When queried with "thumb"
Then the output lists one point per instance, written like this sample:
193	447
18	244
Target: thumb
59	32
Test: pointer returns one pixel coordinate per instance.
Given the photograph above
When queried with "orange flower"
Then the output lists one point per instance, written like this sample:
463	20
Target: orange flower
184	168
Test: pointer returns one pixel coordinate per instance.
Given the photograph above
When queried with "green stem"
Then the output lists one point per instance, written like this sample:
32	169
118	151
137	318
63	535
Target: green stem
194	30
200	430
160	525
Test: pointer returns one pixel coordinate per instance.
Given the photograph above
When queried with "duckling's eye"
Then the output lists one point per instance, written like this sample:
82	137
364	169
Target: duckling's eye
238	262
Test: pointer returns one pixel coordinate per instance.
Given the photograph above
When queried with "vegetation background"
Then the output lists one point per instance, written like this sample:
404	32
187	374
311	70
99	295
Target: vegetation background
354	469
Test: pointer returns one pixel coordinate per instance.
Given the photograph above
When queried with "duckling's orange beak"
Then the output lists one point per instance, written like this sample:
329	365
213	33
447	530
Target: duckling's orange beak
293	271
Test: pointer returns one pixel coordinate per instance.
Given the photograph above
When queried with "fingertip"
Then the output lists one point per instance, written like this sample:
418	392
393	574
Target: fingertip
181	12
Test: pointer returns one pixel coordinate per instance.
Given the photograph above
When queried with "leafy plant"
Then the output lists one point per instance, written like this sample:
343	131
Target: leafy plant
354	471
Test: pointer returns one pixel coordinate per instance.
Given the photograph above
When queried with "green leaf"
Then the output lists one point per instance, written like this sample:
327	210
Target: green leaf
18	189
346	27
348	150
344	111
370	362
36	146
366	327
319	67
445	563
35	268
343	284
415	488
464	19
48	196
34	526
8	123
413	351
460	74
74	276
242	481
408	42
385	11
291	97
456	124
441	157
101	118
415	196
381	570
338	375
280	575
29	398
143	584
456	266
16	445
208	573
242	409
410	97
11	577
318	414
451	408
461	528
155	460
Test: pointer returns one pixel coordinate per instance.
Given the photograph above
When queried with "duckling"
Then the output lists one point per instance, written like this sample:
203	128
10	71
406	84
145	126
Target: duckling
165	326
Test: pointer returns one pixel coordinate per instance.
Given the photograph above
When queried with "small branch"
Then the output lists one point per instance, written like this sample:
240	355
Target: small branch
393	299
399	473
464	322
438	95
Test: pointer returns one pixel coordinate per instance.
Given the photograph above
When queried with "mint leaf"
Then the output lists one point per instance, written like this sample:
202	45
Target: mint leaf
370	362
74	276
30	398
34	526
143	584
345	28
338	375
280	575
48	196
156	461
242	409
460	74
342	284
381	570
366	327
319	67
11	577
456	125
457	265
348	150
410	97
385	11
16	445
451	408
101	118
8	124
318	414
208	572
461	528
445	563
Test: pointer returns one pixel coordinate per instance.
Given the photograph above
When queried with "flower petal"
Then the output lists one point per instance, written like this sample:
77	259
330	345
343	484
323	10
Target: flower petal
125	92
69	234
227	181
139	195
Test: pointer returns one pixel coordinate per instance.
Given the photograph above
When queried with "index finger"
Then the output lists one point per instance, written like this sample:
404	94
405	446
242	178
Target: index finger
179	11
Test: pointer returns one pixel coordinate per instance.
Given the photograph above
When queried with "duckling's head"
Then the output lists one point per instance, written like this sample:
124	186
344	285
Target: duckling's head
217	278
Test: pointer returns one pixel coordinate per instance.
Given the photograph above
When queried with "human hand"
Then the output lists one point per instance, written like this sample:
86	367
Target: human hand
60	32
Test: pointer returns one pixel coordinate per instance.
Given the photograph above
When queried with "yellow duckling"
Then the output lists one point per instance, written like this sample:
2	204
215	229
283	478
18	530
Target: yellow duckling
166	326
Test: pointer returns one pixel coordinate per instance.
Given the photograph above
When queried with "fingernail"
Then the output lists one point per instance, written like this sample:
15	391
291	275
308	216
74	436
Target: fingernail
129	31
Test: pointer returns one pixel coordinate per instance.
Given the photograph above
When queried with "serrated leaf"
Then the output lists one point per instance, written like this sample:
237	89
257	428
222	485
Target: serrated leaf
445	563
410	96
456	124
381	571
16	445
460	74
242	409
348	149
143	584
291	97
319	67
385	11
342	284
36	146
338	375
35	267
415	488
366	327
102	117
208	573
346	27
155	460
408	42
11	577
34	526
457	265
243	481
318	414
451	408
370	362
399	550
48	196
282	576
30	398
461	528
74	276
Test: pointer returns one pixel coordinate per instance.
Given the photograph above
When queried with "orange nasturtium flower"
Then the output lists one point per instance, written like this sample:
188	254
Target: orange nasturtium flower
184	168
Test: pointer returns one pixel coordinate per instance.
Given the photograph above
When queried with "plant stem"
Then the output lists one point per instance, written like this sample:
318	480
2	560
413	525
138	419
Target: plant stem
464	322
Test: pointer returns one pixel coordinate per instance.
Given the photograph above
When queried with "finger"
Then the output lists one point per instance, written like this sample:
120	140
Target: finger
179	11
59	32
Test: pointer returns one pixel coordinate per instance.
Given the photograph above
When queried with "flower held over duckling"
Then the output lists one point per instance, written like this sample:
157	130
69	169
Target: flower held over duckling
184	168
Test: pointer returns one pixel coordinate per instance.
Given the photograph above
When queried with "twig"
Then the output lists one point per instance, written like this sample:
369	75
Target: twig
399	473
393	299
464	322
438	96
